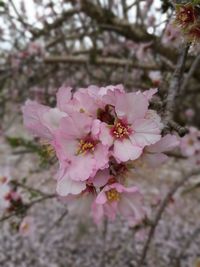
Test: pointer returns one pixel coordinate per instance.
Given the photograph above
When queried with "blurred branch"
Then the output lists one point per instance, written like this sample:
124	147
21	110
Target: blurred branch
56	223
133	32
100	60
31	189
56	24
160	211
174	89
192	69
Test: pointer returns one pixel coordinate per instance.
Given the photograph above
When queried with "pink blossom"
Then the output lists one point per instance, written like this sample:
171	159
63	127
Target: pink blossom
81	203
41	120
156	77
94	133
4	193
154	154
77	146
114	199
189	113
87	100
172	35
131	131
190	143
149	93
26	227
4	189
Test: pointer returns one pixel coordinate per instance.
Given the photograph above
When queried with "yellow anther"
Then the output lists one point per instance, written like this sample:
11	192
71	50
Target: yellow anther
120	130
85	146
113	195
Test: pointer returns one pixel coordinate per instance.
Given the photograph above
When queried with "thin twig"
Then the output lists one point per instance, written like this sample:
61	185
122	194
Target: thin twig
57	222
175	84
158	216
31	189
194	66
110	61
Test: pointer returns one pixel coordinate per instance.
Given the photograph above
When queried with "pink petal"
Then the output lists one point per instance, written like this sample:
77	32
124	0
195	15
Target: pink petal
154	160
66	186
124	150
150	93
101	178
165	144
101	156
95	130
97	213
101	198
146	132
131	207
63	96
131	106
53	117
76	125
82	167
32	116
105	135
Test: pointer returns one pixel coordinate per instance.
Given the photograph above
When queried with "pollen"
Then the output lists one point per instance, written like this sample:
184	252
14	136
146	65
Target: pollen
113	195
47	149
120	130
85	146
50	150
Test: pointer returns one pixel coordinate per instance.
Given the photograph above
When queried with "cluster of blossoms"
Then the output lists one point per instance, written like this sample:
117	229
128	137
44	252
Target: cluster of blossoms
98	134
190	145
188	19
11	201
9	198
33	50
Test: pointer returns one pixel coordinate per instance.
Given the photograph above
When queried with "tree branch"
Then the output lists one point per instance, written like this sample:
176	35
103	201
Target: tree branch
110	61
162	208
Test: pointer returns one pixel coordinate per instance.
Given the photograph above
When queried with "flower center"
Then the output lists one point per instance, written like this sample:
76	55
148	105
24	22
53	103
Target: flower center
184	17
85	146
120	130
112	195
47	149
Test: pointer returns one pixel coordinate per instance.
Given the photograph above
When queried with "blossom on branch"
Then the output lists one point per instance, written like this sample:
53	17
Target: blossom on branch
97	134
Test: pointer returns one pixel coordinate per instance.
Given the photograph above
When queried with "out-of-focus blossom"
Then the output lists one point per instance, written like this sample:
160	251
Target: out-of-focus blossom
190	143
154	155
189	113
156	77
172	35
186	14
26	227
114	199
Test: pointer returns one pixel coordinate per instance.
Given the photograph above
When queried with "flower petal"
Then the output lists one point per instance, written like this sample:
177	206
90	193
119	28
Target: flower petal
66	186
146	132
124	150
132	106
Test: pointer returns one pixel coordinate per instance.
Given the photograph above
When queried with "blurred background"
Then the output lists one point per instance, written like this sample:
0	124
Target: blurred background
45	44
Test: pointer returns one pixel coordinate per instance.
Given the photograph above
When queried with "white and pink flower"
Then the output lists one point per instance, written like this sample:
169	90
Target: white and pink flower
95	132
114	199
131	130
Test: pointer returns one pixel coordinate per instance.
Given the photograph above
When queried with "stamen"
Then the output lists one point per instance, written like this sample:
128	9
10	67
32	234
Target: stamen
85	146
120	130
113	195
